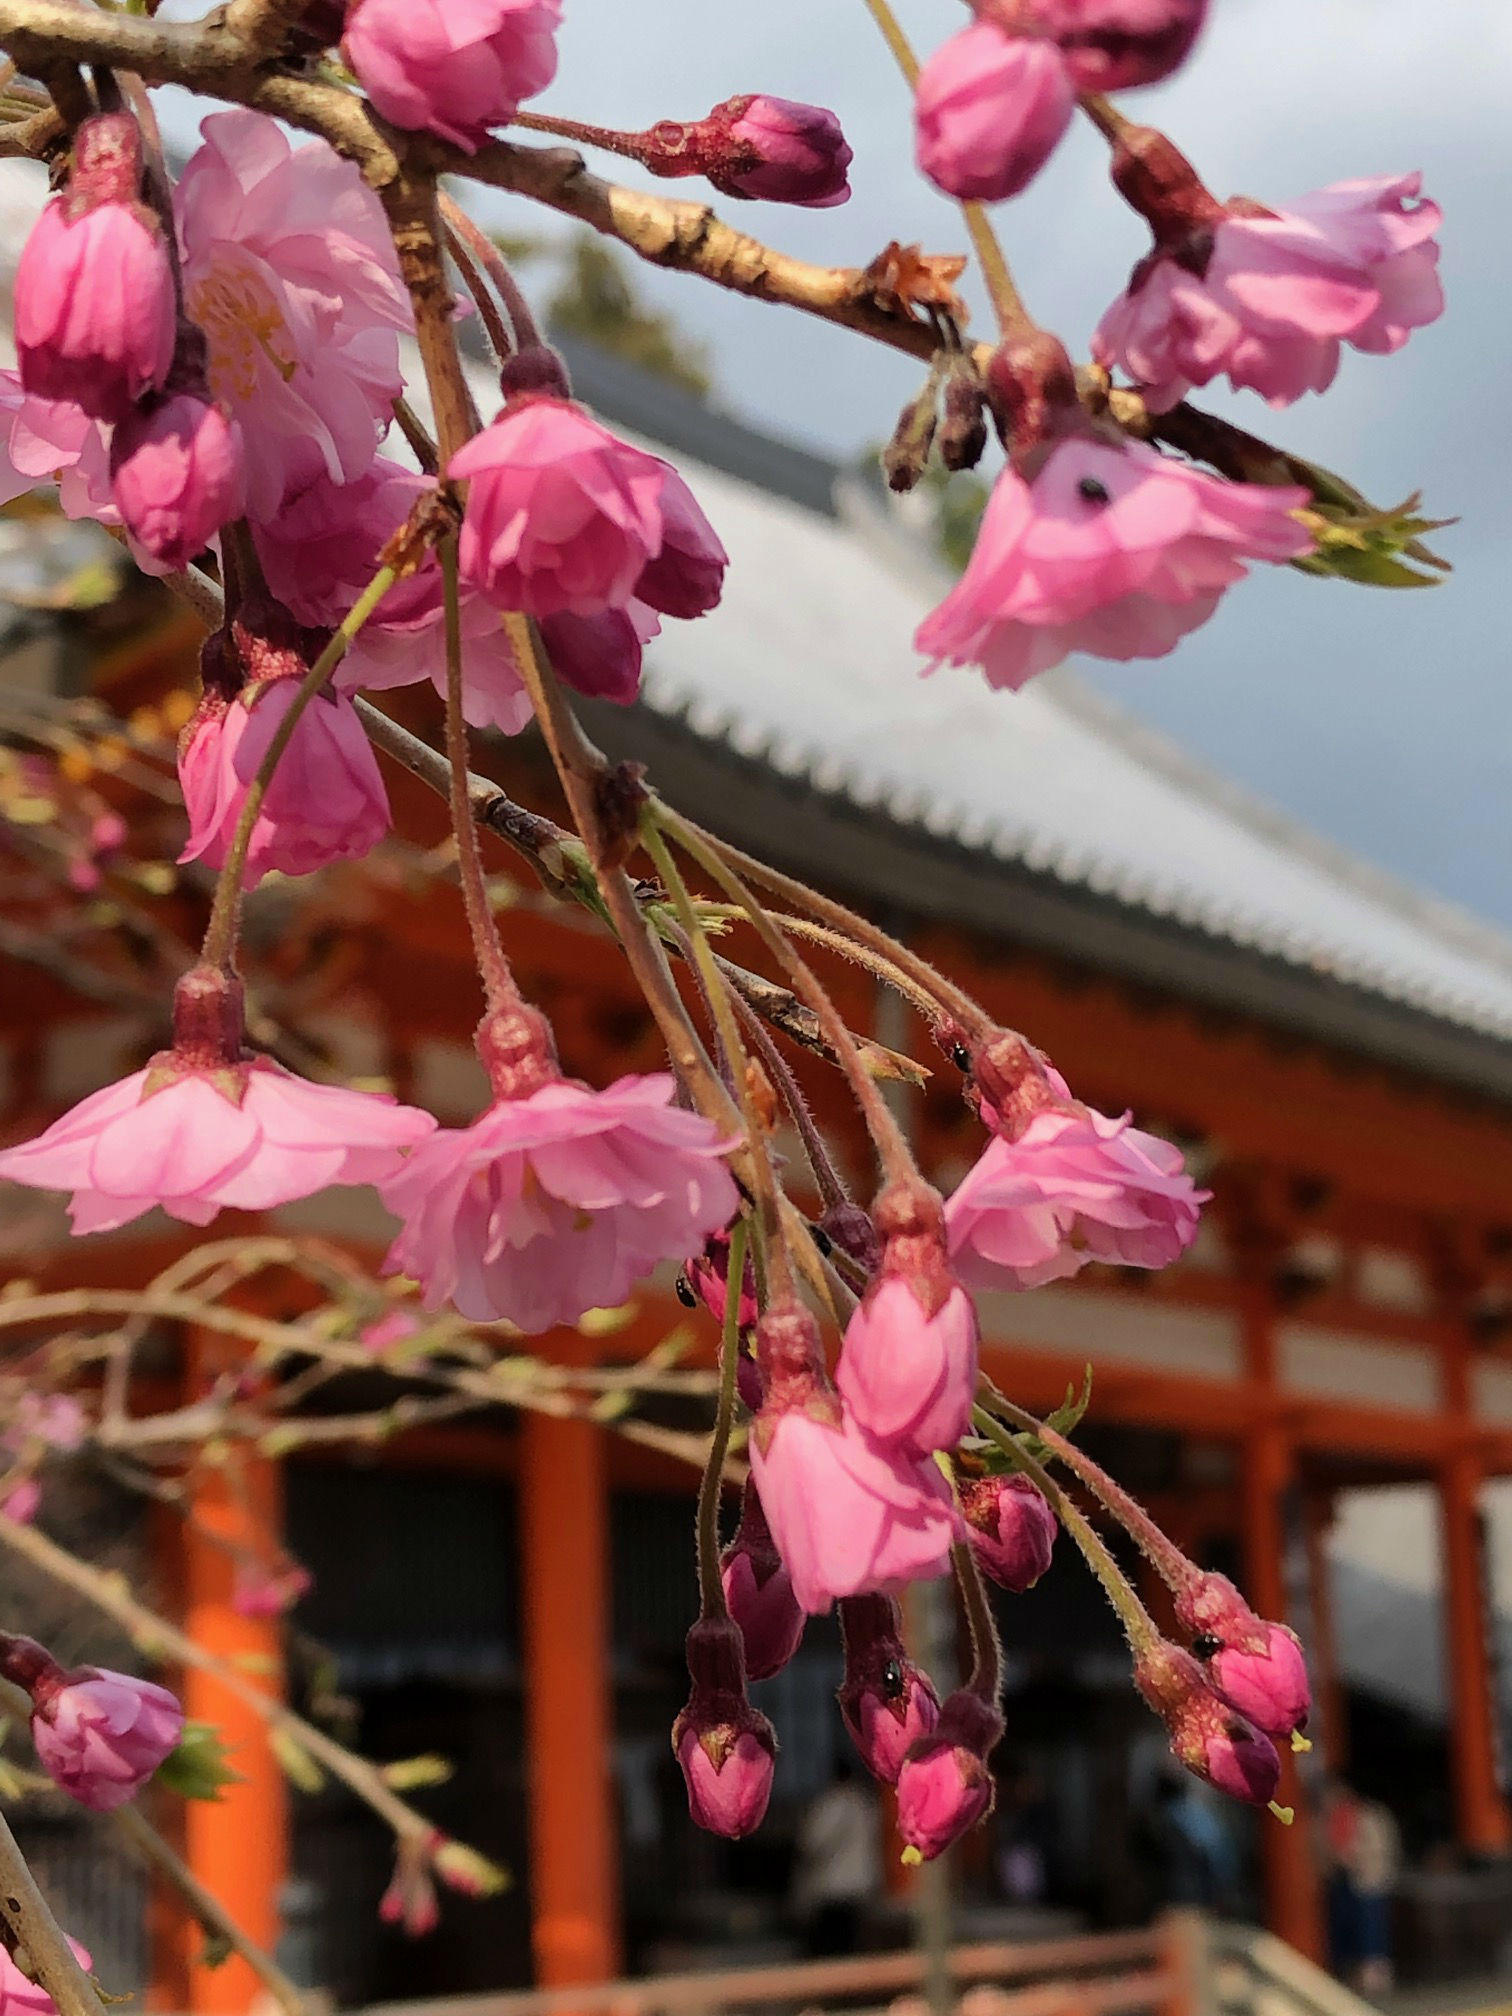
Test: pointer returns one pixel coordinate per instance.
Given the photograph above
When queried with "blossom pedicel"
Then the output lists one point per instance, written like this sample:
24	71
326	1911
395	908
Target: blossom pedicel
886	1701
95	312
725	1748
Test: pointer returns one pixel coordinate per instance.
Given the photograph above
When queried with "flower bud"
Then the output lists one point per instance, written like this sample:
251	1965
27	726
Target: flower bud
989	110
906	455
779	151
759	1592
95	311
945	1786
1255	1665
1010	1527
100	1735
436	68
963	432
1109	45
176	475
1210	1738
849	1228
886	1702
726	1749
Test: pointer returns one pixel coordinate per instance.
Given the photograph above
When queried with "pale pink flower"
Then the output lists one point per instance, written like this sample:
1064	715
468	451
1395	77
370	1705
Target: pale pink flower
989	110
397	1327
21	1996
847	1515
1010	1526
886	1702
176	475
325	801
22	1501
268	1589
558	1202
453	67
945	1786
1267	298
1075	1186
784	152
1116	551
907	1371
244	1137
94	308
55	1419
290	271
564	517
100	1735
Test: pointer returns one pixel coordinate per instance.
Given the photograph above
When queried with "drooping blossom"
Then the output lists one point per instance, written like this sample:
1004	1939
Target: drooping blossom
1214	1741
1256	1665
205	1128
453	67
1109	45
989	110
559	1197
562	517
724	1746
100	1735
325	800
759	1592
21	1996
1115	550
945	1785
1060	1184
847	1514
290	271
94	307
1010	1527
176	475
886	1702
1266	297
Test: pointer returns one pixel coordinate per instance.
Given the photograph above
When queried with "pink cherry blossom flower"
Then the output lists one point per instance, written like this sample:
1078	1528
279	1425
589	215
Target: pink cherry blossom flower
100	1735
784	153
1116	551
325	801
22	1501
1254	1664
908	1367
94	309
557	1202
989	110
564	517
1267	298
21	1996
847	1515
176	476
453	67
290	271
601	655
1010	1527
886	1702
759	1593
1075	1186
203	1128
1209	1737
268	1589
945	1786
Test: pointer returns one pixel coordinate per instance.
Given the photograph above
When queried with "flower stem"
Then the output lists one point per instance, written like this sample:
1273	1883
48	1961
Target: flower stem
1006	299
498	981
1104	115
710	1586
986	1676
1138	1626
896	1156
1157	1547
220	936
498	334
496	266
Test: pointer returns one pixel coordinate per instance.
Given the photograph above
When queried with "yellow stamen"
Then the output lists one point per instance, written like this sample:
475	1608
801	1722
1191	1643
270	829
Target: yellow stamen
1300	1744
1285	1814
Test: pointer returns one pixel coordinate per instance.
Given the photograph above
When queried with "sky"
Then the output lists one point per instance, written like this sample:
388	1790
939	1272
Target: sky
1382	718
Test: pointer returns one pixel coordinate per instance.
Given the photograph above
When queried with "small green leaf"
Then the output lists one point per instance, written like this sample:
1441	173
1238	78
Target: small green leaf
298	1766
410	1774
197	1769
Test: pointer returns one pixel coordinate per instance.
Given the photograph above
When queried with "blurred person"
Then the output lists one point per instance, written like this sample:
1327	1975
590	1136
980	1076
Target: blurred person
839	1863
1364	1860
1025	1829
1194	1861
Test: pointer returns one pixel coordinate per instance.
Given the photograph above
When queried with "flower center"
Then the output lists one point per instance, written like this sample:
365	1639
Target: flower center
243	325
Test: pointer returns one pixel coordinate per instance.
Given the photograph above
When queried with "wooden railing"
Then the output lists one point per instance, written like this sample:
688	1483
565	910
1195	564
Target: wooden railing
1149	1973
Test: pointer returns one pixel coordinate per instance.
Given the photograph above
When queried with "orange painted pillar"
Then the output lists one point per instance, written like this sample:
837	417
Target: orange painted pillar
238	1845
1480	1804
564	1531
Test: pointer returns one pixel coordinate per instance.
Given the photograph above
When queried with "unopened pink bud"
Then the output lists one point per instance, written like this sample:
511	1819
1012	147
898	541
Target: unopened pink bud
1210	1738
886	1702
989	110
1256	1665
794	153
945	1786
433	66
1010	1527
176	475
100	1735
1112	45
759	1592
726	1748
95	311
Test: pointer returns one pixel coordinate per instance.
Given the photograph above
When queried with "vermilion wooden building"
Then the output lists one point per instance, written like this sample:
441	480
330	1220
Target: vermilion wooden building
1333	1052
